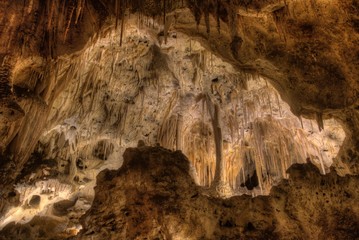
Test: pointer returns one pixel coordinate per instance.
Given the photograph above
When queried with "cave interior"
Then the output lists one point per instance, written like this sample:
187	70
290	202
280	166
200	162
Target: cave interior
179	119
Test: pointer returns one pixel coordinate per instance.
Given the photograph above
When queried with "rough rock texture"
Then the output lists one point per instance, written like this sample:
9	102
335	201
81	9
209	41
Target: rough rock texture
53	71
153	196
41	228
307	49
142	90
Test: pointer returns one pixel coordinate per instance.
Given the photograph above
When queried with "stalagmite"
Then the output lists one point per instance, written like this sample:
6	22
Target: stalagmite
217	130
219	184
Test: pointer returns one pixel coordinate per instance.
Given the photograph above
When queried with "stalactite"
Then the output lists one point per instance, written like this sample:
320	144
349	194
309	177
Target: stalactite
319	119
218	19
203	61
278	104
117	14
301	121
78	10
269	99
61	15
164	20
168	133
278	17
197	16
246	114
166	116
51	13
122	9
206	18
179	140
72	10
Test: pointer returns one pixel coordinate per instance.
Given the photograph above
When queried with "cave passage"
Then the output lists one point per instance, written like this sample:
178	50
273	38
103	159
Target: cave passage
157	93
179	119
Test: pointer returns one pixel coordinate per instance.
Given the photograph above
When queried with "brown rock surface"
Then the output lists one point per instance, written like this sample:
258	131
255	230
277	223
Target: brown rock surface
307	49
81	80
153	196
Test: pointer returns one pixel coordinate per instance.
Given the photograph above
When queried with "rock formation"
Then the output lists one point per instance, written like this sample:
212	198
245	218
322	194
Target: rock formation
164	203
245	89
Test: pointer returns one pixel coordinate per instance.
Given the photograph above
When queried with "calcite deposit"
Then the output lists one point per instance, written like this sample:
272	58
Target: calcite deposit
245	115
153	196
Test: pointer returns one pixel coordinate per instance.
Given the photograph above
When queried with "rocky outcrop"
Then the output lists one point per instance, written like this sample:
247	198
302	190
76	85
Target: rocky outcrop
153	196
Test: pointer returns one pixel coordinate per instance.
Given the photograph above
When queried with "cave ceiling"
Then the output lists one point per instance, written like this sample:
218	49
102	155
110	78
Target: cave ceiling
83	80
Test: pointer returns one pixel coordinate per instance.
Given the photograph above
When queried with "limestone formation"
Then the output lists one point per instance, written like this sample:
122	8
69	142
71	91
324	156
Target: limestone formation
261	96
164	203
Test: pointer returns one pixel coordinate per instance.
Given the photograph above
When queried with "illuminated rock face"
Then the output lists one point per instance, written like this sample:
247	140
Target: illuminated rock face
154	196
119	95
209	80
164	203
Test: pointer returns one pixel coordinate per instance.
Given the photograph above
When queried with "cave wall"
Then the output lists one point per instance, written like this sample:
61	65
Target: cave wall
296	45
34	35
308	50
165	203
154	196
